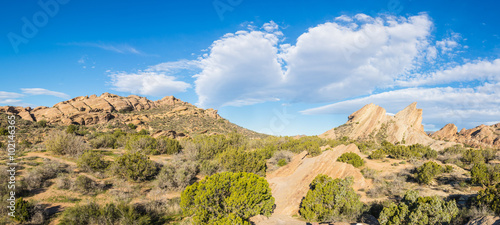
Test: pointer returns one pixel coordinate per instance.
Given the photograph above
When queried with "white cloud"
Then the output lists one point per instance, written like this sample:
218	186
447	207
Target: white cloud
147	83
241	69
483	70
463	106
118	48
41	91
329	62
9	97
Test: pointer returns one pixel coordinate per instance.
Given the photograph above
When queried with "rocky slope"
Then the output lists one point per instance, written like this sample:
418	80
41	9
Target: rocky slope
481	136
168	116
372	123
290	183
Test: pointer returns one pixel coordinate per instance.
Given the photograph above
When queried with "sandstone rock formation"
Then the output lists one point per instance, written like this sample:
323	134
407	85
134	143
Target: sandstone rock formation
89	110
372	123
486	220
290	183
481	136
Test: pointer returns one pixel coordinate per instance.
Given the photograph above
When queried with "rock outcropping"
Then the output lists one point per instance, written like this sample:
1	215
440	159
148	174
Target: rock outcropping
290	183
89	110
481	136
372	123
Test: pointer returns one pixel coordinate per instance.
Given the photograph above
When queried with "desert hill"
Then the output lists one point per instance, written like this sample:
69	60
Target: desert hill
480	136
168	116
373	123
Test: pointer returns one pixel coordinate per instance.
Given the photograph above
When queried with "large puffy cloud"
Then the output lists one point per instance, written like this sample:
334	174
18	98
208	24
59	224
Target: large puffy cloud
147	83
331	61
242	69
467	107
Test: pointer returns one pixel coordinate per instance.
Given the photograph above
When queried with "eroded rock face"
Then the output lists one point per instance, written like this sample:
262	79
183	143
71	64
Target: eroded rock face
372	123
486	220
480	136
290	183
89	110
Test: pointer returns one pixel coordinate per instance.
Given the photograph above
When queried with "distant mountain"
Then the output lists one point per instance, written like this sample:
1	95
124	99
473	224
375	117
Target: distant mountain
167	116
372	123
480	136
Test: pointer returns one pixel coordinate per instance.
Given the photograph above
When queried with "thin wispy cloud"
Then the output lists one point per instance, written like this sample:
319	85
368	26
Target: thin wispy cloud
42	91
118	48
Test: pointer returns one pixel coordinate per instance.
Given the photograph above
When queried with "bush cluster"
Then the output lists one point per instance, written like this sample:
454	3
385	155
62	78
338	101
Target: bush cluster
63	143
485	174
176	175
227	197
330	200
425	174
417	151
419	210
135	166
92	161
352	158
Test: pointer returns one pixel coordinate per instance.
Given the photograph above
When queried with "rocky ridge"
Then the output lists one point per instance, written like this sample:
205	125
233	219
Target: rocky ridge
373	123
168	116
480	136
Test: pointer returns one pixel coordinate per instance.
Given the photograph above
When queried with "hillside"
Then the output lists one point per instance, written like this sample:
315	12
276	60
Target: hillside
168	116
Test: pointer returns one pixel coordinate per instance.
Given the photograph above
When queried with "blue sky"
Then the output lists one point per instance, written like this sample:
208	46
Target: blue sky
279	67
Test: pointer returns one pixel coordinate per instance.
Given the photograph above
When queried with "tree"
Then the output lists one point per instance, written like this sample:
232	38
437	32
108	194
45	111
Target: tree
227	195
330	200
135	166
351	158
427	172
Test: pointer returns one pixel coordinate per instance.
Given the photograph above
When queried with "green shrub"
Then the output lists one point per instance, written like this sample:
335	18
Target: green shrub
24	210
92	161
71	129
330	200
176	175
378	154
352	158
167	146
489	197
135	166
42	123
419	210
62	143
485	174
218	196
142	143
282	162
92	213
104	141
427	172
85	185
239	160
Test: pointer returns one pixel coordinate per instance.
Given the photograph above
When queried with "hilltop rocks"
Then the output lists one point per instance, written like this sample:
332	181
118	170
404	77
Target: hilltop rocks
372	123
89	110
290	183
480	136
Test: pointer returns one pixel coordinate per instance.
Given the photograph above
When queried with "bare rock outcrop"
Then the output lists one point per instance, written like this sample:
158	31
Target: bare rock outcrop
290	183
480	136
89	110
373	123
485	220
